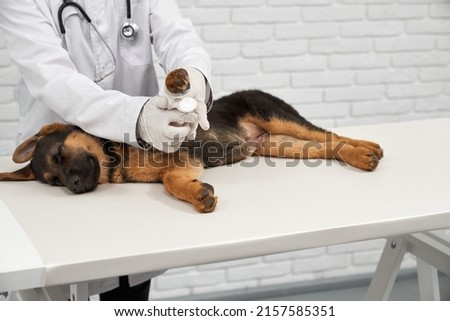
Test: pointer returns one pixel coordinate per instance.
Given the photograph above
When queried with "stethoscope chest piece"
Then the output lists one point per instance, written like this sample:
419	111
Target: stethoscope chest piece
129	30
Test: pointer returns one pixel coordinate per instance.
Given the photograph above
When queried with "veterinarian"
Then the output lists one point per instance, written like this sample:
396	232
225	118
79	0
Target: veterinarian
90	63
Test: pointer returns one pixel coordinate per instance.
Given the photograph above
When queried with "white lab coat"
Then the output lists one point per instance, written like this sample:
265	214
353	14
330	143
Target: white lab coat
77	81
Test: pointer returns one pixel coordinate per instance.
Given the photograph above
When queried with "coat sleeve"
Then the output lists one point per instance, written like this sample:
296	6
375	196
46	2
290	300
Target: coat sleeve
47	70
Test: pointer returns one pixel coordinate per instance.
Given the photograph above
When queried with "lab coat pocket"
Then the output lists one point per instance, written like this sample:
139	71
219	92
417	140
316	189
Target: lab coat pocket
136	52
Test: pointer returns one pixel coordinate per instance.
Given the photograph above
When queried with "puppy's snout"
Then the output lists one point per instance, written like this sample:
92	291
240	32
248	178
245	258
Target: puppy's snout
74	184
83	177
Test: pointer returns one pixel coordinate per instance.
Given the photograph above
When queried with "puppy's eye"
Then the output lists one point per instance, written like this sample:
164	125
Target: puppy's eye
58	157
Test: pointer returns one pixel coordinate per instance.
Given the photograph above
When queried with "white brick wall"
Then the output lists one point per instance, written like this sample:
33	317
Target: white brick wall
340	62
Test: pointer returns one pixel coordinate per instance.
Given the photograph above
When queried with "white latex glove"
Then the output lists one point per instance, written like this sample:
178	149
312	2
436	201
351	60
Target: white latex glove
165	129
198	92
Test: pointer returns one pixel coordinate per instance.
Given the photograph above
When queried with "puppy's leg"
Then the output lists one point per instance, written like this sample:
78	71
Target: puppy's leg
309	133
182	182
290	147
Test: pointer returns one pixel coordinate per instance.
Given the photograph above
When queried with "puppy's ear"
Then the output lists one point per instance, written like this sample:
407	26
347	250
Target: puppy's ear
23	174
52	128
25	151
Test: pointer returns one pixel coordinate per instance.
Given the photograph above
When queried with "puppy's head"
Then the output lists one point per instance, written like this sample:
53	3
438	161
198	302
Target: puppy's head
61	155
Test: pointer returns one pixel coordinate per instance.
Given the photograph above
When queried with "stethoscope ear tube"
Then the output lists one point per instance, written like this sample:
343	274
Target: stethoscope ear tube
65	5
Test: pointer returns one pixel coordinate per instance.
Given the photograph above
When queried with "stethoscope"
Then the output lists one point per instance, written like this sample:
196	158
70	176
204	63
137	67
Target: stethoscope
129	30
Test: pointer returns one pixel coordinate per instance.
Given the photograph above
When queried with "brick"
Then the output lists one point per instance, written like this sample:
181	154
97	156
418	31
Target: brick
422	1
274	49
334	46
335	13
369	29
295	255
156	294
432	105
382	108
7	147
354	94
361	61
235	33
185	3
172	282
440	11
412	43
377	119
369	258
374	77
246	273
7	94
222	50
290	64
299	2
229	3
428	27
235	67
265	15
9	76
299	96
324	110
9	111
365	1
435	74
321	264
323	79
8	129
443	43
356	247
351	271
255	82
391	12
208	16
288	279
412	91
305	31
228	264
228	286
425	59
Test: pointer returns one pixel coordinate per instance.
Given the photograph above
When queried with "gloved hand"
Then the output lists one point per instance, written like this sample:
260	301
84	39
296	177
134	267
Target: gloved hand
165	129
198	91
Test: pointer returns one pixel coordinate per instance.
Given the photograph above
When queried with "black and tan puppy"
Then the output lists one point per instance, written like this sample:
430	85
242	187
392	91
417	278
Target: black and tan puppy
242	124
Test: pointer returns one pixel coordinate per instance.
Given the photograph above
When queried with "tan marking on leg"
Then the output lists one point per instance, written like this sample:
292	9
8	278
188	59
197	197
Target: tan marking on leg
289	147
298	131
183	183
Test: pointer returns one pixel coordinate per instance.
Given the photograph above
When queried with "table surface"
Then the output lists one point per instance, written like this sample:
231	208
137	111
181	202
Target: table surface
266	206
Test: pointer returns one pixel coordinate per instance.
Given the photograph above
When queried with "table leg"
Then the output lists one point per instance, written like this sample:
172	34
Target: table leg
428	281
387	270
79	292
